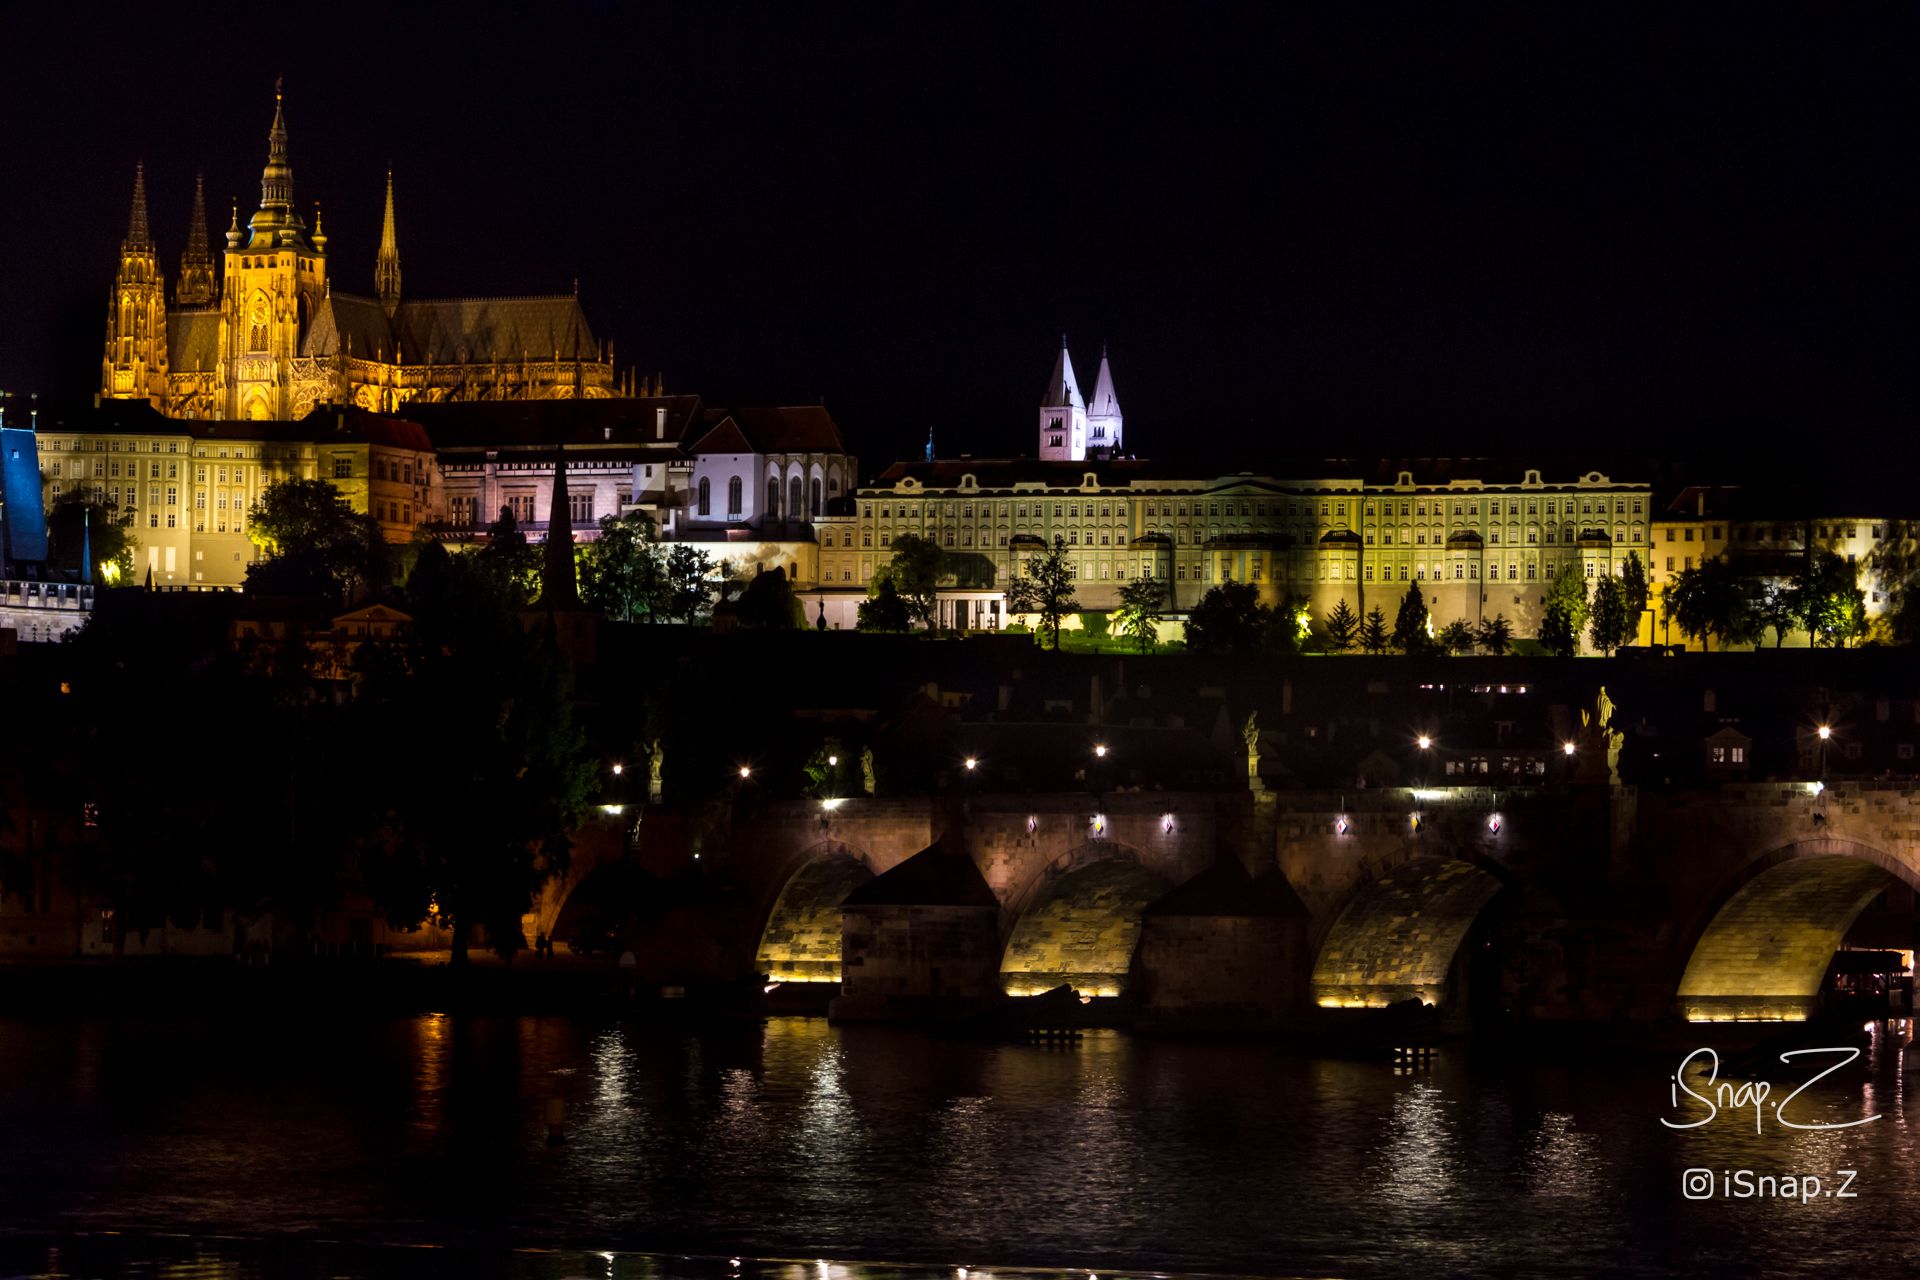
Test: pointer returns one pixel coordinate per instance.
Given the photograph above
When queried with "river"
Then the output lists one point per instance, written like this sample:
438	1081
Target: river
227	1146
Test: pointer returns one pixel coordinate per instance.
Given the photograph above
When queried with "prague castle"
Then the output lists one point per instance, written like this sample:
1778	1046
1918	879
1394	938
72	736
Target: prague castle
266	336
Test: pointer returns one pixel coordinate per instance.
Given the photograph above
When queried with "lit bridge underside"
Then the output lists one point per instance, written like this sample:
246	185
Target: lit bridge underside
1767	951
801	942
1082	931
1396	940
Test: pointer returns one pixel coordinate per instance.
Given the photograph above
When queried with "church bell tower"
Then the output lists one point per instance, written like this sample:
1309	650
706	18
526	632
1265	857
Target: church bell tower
135	364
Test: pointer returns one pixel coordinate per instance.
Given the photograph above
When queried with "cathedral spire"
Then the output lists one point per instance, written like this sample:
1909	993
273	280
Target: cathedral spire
138	235
386	271
1104	421
196	287
276	222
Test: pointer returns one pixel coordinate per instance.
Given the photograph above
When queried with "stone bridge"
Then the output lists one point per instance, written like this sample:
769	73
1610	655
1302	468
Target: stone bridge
1575	901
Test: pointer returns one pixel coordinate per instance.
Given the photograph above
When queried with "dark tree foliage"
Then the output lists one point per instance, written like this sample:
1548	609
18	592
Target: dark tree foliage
1343	627
1633	595
1455	638
1140	604
769	602
1374	636
1713	601
1227	619
478	825
314	544
79	519
1494	634
1607	615
688	590
915	568
622	572
884	610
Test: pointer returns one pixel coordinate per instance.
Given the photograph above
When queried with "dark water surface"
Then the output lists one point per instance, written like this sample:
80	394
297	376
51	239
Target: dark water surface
795	1140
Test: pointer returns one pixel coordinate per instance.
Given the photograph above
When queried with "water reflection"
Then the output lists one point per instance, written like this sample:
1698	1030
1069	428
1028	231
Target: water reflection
796	1140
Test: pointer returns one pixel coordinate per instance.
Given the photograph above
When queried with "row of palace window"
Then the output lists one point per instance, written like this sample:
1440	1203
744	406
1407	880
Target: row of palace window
115	446
1587	507
1418	538
105	470
1071	510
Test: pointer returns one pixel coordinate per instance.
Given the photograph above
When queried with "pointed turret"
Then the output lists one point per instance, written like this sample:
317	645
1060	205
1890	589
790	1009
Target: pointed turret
558	589
135	367
1063	414
1103	411
386	271
276	222
138	236
197	287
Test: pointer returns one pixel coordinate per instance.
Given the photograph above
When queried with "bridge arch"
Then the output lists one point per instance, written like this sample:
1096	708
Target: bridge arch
800	929
1077	921
1398	934
1763	948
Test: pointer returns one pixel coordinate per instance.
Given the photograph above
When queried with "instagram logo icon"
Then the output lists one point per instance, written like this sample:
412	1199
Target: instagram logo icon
1697	1184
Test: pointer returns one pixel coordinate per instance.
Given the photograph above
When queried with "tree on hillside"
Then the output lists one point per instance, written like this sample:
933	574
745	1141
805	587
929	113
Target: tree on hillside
1046	589
1227	619
1410	623
313	543
1455	638
1494	634
1140	602
82	520
1633	595
1343	627
509	562
1564	613
1712	601
769	602
1831	605
1374	637
1775	605
1607	617
915	567
474	830
622	573
687	588
884	610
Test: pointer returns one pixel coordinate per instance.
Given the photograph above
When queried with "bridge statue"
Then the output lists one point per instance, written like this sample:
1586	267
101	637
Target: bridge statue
1250	735
656	761
1601	742
866	769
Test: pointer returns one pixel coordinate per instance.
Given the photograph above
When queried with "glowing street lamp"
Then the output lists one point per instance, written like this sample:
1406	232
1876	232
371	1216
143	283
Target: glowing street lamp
1825	731
618	768
746	772
972	764
1424	742
1100	749
1566	748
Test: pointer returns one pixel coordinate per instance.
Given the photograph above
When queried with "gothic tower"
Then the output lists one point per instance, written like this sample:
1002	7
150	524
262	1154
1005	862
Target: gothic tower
135	366
1103	412
275	278
1063	414
386	270
197	287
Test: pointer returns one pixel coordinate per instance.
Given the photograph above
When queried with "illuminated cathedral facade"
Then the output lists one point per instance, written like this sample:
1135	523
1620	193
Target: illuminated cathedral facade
266	336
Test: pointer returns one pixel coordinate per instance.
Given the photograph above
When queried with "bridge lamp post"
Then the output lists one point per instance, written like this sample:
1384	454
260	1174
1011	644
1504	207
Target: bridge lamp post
1425	743
1825	733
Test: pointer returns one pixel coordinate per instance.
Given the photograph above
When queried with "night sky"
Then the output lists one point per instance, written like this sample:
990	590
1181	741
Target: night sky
1300	231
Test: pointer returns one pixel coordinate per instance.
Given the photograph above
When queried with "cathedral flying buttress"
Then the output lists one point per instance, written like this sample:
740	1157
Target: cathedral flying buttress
267	336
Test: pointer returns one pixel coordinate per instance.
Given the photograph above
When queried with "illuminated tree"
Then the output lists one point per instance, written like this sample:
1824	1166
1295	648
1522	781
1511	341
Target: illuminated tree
1633	595
621	571
915	567
1410	624
1140	602
1046	588
1712	601
1564	612
687	588
1830	603
1607	617
79	519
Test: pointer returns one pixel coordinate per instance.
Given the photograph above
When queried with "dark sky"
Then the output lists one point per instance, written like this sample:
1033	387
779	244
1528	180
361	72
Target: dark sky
1301	230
